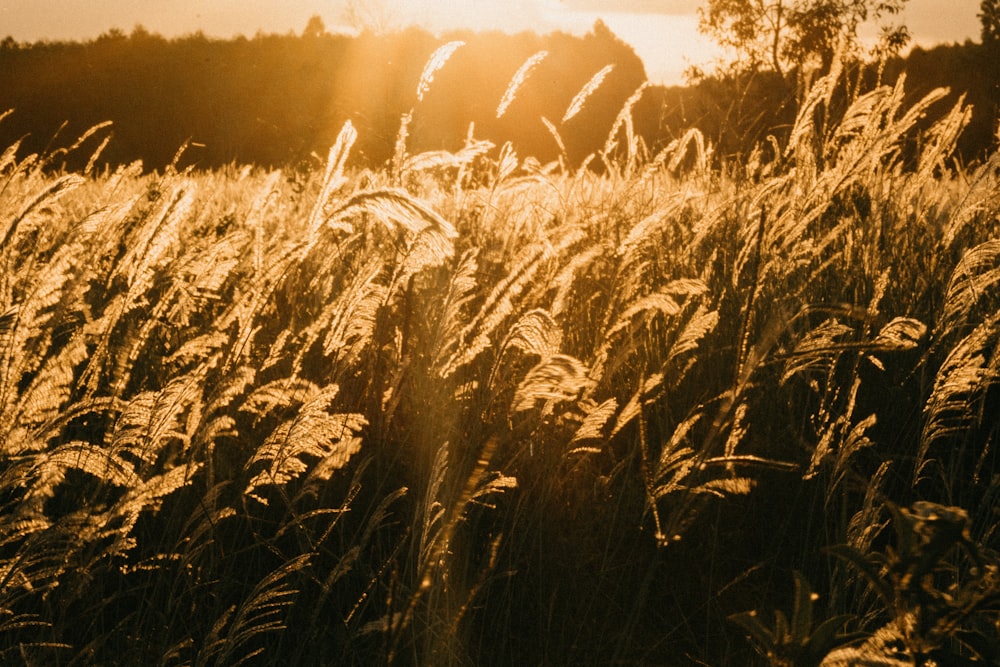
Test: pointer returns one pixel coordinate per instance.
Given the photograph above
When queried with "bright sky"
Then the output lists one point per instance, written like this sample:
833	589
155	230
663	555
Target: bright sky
662	32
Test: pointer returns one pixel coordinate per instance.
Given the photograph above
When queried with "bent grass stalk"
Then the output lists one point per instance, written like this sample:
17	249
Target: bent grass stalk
384	423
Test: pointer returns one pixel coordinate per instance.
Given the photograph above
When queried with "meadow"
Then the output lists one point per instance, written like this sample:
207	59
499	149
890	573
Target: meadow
471	409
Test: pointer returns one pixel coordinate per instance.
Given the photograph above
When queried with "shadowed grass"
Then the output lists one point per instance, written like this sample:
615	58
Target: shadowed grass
476	410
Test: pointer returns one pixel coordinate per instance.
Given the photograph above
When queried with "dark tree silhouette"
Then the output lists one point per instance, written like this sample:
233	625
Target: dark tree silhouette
314	27
989	16
278	99
788	36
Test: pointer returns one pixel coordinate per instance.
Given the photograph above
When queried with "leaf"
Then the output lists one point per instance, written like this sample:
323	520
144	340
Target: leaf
802	611
869	569
760	633
825	637
749	459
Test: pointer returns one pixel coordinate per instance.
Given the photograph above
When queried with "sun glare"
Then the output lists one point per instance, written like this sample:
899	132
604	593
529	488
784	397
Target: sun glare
334	342
667	44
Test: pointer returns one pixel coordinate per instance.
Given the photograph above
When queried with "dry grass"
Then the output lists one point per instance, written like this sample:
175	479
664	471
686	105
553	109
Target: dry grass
477	410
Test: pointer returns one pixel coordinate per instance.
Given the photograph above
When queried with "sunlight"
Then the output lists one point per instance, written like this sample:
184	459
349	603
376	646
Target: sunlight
667	44
414	334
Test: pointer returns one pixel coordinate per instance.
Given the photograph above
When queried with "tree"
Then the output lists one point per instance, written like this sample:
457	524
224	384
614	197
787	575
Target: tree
791	36
990	17
315	28
375	16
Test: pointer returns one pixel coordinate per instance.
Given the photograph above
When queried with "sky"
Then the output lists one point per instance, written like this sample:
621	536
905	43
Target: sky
662	32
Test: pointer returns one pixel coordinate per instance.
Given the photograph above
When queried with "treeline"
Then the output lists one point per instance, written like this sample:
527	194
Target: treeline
276	100
969	69
738	113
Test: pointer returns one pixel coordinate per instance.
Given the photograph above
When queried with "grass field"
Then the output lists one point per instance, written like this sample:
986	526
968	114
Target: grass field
474	410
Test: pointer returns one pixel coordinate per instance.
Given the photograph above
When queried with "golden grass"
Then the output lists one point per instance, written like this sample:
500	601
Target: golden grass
247	421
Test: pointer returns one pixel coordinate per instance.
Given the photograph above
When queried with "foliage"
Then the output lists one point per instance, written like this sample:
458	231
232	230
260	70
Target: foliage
799	35
794	641
280	100
989	16
940	589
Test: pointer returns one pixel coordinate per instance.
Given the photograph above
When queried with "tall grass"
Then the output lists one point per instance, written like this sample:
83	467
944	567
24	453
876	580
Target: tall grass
472	409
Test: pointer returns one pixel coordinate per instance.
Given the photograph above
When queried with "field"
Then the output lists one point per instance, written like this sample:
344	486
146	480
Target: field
471	409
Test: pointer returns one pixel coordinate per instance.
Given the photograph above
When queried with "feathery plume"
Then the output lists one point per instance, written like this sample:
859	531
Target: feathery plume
624	115
520	76
436	62
581	97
